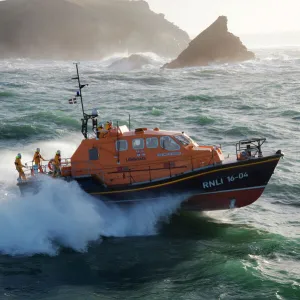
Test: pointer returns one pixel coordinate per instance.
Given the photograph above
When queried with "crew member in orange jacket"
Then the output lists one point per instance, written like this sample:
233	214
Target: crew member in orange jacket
19	167
37	157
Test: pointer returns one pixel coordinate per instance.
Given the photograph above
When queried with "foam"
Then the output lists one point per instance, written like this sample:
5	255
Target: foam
63	215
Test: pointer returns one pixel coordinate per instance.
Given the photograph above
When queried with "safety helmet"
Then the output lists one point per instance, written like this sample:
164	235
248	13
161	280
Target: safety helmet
58	152
19	155
37	149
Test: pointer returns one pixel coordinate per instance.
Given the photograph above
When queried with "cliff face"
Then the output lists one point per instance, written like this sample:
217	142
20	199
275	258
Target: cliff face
214	45
90	29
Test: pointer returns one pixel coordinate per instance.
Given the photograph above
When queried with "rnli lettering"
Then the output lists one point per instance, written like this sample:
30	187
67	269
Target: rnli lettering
169	154
219	181
212	183
135	158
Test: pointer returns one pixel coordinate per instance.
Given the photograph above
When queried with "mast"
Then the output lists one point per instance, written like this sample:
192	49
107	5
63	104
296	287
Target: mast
129	121
84	120
80	87
118	142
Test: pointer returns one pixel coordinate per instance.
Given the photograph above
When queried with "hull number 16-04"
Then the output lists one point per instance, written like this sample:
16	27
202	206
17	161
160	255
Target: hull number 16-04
220	181
236	177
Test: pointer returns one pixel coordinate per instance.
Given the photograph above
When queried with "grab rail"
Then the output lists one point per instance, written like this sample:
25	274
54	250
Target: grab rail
65	162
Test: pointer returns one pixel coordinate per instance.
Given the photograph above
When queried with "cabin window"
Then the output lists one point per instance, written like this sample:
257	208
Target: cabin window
168	143
183	140
138	144
93	154
121	145
152	142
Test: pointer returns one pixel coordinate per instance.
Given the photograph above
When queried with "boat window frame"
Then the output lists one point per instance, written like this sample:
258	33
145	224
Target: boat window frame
93	154
173	141
150	138
139	148
184	137
118	143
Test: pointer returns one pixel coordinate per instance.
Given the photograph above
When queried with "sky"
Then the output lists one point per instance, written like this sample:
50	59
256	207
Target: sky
244	16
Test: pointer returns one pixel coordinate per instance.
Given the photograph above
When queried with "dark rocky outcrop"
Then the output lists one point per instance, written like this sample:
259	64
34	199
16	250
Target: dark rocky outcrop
133	62
214	45
85	29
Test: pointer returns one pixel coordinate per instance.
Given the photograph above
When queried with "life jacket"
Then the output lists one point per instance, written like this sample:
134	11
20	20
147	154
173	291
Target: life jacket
37	158
18	163
57	160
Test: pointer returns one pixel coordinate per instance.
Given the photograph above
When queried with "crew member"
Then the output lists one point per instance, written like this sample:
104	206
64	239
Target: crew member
37	157
249	151
19	167
56	164
108	125
100	131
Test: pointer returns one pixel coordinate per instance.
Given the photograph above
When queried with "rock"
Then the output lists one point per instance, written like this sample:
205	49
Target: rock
133	62
85	29
214	45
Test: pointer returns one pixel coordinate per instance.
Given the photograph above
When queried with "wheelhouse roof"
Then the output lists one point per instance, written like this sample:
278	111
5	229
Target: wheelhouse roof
148	132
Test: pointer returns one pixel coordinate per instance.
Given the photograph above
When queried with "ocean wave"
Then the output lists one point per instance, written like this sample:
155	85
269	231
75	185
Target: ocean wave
156	112
241	131
62	215
7	94
204	98
200	120
24	131
290	113
37	124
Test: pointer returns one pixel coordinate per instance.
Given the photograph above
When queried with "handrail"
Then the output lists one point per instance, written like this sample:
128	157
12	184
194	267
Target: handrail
152	162
47	160
107	172
133	169
30	168
250	145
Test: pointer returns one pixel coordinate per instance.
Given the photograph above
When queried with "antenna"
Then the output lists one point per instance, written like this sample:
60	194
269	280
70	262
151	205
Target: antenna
118	143
85	116
129	121
81	86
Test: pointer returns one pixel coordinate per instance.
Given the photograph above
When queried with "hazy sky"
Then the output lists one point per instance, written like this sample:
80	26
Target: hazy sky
244	16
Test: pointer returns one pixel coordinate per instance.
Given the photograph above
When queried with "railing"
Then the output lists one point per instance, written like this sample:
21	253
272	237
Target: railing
144	172
249	148
31	169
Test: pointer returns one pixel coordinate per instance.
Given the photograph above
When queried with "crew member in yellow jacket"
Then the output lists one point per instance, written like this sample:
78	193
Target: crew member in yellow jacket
56	164
37	157
19	167
108	125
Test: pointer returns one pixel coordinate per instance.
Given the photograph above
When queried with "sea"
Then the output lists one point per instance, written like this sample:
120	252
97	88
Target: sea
63	244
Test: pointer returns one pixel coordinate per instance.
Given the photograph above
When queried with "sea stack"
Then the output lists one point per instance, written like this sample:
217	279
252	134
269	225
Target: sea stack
213	45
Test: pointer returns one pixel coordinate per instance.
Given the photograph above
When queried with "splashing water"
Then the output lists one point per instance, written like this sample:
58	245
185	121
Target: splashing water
62	214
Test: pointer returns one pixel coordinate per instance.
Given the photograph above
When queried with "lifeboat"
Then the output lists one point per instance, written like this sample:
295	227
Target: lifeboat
123	166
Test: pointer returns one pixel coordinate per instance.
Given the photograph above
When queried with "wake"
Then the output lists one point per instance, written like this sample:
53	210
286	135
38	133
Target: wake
63	215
